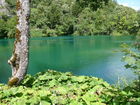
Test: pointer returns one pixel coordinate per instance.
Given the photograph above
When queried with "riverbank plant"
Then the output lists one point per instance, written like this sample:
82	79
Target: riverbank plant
56	88
132	60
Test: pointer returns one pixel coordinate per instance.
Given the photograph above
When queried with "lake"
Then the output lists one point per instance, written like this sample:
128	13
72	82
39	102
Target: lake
90	56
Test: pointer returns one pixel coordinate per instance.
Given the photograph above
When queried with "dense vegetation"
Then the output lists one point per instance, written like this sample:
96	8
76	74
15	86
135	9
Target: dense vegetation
55	88
74	17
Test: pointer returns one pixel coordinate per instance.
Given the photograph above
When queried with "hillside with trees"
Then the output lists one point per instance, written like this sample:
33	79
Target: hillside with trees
74	17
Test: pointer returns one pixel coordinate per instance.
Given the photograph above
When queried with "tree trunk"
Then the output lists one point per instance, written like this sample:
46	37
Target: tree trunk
19	59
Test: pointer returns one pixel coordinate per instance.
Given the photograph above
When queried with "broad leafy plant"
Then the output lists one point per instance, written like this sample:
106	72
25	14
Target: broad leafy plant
56	88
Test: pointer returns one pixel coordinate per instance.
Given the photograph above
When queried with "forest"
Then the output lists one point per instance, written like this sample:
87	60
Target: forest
74	18
96	61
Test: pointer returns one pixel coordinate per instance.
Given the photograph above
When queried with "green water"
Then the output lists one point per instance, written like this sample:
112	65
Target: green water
91	56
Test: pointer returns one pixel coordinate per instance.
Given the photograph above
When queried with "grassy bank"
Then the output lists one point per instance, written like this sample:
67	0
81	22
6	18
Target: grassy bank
56	88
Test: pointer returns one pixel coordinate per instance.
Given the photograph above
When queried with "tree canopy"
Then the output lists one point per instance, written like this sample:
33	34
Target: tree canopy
75	17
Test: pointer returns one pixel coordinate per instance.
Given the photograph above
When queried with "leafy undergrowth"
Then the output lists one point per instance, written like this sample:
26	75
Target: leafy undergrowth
56	88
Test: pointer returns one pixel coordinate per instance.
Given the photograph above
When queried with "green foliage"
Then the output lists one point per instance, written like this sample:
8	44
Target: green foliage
138	33
93	4
138	17
11	26
36	33
3	31
11	2
47	88
86	17
11	6
115	33
132	60
7	26
77	17
137	43
85	24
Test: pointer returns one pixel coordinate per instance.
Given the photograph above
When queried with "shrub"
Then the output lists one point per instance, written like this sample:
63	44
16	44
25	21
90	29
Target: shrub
47	88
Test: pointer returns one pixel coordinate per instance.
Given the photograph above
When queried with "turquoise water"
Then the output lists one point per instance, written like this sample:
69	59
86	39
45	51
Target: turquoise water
90	56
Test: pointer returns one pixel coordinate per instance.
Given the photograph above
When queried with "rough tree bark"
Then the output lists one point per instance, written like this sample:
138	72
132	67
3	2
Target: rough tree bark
19	59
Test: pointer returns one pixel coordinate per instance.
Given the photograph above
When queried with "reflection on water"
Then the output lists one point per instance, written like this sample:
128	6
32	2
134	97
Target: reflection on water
92	56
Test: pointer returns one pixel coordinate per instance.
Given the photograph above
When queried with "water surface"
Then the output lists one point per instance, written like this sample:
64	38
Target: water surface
90	56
